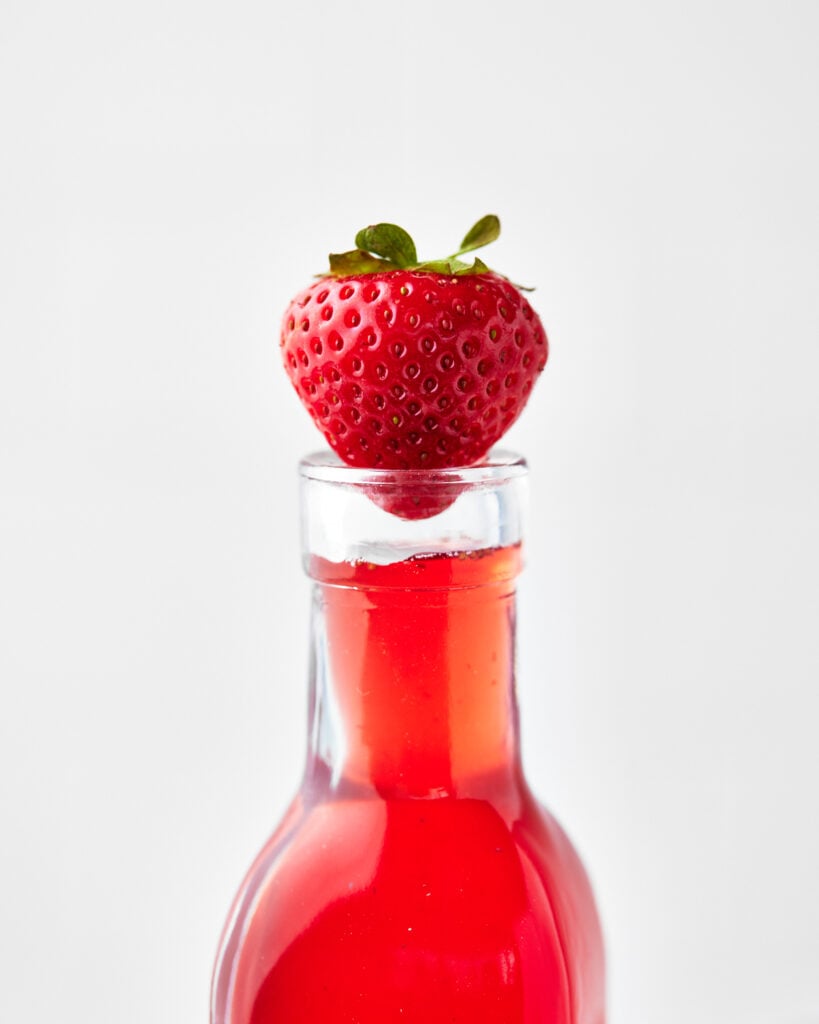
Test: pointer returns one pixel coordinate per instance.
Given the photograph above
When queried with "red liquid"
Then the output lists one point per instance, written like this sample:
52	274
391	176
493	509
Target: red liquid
416	879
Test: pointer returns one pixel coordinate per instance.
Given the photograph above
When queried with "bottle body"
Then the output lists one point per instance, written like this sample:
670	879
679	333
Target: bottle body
415	878
432	911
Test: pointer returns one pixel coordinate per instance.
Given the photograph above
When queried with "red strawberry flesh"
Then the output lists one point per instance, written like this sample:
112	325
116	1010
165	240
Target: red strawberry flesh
412	369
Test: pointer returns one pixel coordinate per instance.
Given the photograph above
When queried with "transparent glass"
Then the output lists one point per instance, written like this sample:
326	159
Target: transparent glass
414	877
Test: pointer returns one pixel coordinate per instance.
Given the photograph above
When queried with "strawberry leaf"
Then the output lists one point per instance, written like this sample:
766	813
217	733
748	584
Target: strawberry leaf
485	231
453	265
357	262
389	241
437	266
384	247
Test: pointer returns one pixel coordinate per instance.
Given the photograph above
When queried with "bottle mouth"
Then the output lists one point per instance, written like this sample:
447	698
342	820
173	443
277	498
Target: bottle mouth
385	515
498	466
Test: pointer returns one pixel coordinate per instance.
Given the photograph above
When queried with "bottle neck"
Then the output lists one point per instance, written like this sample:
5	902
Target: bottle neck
413	690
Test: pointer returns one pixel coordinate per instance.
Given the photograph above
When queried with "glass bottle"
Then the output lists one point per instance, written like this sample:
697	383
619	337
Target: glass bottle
414	878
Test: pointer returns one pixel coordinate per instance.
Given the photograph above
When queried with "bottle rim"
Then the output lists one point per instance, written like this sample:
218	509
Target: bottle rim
497	466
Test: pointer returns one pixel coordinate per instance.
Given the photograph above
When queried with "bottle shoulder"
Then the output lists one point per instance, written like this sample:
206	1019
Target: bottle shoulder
414	882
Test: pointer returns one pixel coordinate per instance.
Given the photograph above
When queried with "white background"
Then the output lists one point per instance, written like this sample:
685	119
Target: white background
170	174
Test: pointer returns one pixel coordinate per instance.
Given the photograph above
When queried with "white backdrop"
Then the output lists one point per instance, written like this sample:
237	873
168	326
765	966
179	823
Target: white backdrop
170	173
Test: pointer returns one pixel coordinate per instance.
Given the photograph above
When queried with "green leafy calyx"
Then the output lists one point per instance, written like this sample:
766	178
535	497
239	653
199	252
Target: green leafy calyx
381	247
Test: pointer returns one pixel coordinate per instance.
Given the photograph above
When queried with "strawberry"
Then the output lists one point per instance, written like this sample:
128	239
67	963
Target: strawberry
409	365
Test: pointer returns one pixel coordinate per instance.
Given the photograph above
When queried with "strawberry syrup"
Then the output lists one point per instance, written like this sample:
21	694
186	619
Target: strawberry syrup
415	879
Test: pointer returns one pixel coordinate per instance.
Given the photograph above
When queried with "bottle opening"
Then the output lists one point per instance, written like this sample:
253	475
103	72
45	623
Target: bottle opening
382	517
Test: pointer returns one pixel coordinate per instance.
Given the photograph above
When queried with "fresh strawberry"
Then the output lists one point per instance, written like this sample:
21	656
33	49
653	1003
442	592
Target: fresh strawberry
410	365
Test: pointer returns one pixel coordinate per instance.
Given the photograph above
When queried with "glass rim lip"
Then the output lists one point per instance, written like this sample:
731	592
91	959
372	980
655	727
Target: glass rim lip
497	466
